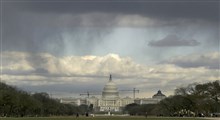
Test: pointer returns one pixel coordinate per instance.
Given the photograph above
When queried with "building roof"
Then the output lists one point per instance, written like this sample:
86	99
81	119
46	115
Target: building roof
159	93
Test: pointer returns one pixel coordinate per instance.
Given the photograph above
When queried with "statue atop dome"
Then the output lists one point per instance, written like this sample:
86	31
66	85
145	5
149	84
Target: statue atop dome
110	77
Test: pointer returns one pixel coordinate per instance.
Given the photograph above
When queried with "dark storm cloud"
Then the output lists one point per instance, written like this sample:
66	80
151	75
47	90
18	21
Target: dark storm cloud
61	27
173	41
209	65
78	27
49	33
208	60
167	9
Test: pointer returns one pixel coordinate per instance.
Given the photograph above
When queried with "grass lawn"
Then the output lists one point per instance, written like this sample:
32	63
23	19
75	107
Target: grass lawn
99	118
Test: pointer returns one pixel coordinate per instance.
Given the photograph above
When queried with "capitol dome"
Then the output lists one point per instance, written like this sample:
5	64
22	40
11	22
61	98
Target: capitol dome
110	90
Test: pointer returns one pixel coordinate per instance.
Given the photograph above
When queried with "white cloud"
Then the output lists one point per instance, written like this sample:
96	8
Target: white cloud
16	61
46	69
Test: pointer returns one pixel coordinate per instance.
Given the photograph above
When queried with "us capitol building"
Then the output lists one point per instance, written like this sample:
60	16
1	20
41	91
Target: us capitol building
110	100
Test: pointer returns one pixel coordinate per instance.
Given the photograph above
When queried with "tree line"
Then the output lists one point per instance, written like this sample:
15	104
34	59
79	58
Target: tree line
193	100
15	102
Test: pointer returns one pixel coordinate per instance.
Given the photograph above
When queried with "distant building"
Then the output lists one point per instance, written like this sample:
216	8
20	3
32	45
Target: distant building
73	101
110	100
154	100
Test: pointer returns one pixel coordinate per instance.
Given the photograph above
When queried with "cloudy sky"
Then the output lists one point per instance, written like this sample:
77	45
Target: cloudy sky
71	46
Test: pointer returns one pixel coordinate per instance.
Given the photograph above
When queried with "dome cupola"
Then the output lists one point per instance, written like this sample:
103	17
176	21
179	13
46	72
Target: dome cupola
159	95
110	90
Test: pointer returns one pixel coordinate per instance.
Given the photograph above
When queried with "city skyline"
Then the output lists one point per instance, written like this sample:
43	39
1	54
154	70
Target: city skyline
71	47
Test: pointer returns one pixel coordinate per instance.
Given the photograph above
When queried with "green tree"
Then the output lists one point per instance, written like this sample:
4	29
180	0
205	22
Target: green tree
205	96
132	109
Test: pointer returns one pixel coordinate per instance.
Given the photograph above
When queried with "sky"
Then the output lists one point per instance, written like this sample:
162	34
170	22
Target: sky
69	47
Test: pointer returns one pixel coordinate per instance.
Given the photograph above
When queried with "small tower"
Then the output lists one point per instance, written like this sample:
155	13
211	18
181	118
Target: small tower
110	78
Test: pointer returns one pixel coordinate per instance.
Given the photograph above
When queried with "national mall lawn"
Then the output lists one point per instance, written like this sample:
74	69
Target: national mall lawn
101	118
